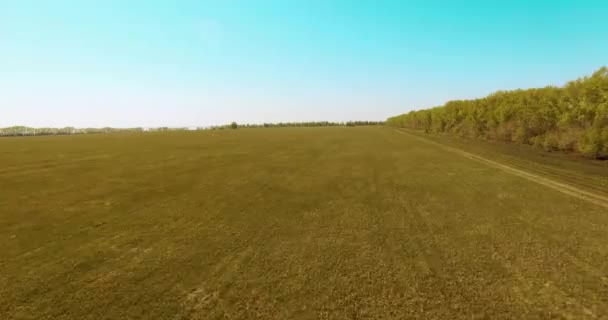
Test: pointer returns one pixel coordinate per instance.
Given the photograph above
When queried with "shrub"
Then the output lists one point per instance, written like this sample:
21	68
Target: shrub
591	143
550	141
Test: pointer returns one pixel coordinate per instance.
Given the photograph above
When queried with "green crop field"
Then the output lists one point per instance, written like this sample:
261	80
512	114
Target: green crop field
298	223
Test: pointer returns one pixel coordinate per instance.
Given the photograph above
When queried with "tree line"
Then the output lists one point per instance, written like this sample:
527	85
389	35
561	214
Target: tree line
573	117
234	125
28	131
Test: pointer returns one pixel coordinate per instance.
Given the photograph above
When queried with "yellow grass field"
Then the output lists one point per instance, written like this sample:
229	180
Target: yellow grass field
296	223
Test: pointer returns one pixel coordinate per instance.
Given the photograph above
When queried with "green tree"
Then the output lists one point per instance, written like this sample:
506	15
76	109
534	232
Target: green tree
571	118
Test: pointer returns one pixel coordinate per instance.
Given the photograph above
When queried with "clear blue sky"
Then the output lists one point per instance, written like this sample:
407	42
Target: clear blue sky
194	63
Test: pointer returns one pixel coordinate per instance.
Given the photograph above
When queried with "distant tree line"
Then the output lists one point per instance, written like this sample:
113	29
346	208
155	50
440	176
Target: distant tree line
573	117
28	131
300	124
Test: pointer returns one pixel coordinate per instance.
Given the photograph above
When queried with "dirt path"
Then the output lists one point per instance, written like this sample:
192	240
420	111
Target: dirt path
559	186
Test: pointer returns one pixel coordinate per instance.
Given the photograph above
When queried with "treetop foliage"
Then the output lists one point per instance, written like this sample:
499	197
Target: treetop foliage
573	117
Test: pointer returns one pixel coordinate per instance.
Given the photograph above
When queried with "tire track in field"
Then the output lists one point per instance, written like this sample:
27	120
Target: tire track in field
567	176
561	187
558	294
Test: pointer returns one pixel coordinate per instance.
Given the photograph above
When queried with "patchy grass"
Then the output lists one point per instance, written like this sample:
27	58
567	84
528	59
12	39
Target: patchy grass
300	223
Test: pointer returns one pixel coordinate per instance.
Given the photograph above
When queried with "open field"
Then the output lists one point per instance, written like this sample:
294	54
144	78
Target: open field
294	223
572	168
573	175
